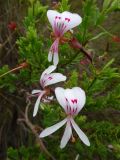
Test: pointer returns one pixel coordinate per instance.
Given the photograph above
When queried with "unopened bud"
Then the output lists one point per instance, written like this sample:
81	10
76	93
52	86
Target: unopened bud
75	43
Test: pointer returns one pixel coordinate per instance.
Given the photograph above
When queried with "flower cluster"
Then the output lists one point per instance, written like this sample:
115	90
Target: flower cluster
71	100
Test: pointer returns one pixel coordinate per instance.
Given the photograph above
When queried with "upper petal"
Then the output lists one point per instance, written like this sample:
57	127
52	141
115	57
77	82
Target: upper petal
70	98
51	14
54	78
48	71
71	20
79	94
59	92
52	129
80	133
66	136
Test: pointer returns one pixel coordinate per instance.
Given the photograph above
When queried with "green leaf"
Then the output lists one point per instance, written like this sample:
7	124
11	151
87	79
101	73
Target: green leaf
64	6
108	64
106	3
98	36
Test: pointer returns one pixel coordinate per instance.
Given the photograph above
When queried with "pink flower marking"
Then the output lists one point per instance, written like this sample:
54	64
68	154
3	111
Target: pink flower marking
50	78
74	101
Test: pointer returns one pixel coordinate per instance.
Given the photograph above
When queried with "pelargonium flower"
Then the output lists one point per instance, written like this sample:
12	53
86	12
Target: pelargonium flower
72	101
61	23
47	78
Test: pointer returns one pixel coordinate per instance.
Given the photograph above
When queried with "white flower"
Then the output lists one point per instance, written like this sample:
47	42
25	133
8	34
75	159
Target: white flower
72	101
61	23
47	78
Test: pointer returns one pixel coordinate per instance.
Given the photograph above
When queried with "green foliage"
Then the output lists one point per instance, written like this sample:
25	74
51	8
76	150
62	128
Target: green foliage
90	19
52	114
64	6
100	94
73	80
25	153
94	17
109	5
31	46
7	82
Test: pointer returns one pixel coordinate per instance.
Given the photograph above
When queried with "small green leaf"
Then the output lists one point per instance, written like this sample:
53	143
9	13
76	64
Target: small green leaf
106	3
108	64
98	36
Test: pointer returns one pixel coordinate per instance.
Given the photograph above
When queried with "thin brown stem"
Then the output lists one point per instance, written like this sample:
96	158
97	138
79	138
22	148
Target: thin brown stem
32	128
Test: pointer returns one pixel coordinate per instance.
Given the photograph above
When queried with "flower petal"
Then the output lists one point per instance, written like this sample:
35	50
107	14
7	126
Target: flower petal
50	55
36	91
55	59
51	14
54	52
37	103
70	96
59	92
52	129
71	20
54	78
80	96
80	133
66	136
48	70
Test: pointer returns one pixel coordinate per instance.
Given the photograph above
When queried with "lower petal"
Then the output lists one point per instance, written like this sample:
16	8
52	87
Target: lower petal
37	103
55	59
52	129
80	133
66	136
50	56
35	91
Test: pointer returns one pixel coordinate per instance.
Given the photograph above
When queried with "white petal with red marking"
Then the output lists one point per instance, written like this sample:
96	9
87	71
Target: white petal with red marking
71	20
59	92
66	136
51	14
52	129
80	133
54	78
80	96
72	102
48	70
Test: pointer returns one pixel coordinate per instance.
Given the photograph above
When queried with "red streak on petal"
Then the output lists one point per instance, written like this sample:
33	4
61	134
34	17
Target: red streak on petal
74	101
67	19
50	78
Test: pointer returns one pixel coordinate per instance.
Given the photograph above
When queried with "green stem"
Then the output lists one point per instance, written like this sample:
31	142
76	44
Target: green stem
95	76
105	31
92	83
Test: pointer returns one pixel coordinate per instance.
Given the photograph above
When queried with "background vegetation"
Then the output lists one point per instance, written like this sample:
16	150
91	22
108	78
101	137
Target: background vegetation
24	43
